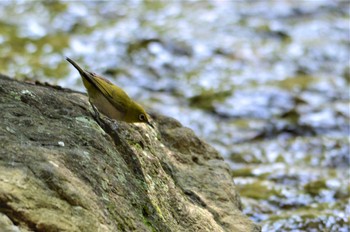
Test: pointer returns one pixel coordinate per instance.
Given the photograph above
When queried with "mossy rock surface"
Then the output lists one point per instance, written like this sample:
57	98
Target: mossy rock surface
61	171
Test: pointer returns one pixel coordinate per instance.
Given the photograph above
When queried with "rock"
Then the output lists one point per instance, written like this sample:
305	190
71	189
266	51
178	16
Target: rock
61	171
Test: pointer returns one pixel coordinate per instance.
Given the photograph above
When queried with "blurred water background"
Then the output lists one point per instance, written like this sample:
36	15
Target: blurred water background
265	82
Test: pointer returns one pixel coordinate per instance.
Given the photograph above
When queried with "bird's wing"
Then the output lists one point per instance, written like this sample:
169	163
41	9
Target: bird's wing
120	103
111	91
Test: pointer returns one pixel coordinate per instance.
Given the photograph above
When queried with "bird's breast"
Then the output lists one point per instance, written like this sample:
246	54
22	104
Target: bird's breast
105	107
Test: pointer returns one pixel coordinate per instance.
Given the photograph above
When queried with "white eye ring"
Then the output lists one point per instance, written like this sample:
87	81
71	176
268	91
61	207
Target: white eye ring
142	117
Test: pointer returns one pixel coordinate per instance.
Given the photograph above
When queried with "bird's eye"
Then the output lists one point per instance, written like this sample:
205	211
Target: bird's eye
142	117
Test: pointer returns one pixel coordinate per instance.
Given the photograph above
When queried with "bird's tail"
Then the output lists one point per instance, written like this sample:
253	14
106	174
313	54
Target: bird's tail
84	74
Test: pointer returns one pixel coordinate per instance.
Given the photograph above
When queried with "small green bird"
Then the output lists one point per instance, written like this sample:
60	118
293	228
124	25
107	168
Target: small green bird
109	99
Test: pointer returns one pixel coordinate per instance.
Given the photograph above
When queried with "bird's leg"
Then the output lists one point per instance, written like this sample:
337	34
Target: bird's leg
96	113
97	117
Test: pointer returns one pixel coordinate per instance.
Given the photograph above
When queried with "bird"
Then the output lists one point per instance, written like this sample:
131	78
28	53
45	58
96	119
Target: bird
109	99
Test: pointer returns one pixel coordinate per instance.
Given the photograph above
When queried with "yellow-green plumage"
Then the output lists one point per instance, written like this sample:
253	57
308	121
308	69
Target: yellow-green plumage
109	99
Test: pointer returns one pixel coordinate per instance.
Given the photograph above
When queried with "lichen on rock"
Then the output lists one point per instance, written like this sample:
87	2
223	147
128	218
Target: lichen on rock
62	171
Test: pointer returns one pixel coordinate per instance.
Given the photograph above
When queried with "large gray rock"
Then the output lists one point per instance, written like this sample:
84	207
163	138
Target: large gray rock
61	171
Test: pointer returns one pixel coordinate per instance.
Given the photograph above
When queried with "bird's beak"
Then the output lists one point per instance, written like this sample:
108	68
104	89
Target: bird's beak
151	125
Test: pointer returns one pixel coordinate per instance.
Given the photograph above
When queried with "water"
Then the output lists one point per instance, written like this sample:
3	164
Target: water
265	82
